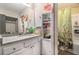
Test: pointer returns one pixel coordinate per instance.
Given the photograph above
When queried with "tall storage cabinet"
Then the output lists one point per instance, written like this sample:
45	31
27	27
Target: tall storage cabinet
31	47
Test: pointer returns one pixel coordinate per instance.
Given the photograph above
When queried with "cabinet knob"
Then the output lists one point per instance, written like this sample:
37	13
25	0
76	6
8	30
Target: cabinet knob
14	48
31	46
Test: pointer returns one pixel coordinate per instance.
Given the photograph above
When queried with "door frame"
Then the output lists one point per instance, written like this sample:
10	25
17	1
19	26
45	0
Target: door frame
55	29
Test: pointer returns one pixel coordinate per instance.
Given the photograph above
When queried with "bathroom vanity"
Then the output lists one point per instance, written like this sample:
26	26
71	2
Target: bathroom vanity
20	45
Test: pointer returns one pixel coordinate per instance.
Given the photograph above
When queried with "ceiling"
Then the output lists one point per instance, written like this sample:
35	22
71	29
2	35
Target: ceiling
14	7
65	5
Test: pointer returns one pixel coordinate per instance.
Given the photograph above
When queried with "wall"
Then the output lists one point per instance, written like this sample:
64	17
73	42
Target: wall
38	14
75	26
75	10
28	11
34	16
8	13
75	15
39	10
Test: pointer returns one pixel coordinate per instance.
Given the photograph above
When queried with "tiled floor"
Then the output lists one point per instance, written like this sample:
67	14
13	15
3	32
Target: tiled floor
65	53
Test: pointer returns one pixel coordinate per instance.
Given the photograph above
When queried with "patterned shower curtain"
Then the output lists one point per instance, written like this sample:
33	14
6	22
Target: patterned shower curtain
64	26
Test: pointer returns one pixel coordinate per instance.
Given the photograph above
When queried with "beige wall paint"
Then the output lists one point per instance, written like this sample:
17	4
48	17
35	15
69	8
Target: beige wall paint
75	10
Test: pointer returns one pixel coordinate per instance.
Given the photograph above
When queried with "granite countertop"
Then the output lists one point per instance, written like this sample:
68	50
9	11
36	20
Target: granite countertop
46	39
10	39
7	35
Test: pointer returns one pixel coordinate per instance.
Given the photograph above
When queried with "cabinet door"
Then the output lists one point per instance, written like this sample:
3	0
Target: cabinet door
0	28
28	50
36	48
24	51
46	47
0	50
11	48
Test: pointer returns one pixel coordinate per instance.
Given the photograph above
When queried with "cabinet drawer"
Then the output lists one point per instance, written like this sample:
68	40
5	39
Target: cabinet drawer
24	51
27	43
10	48
31	41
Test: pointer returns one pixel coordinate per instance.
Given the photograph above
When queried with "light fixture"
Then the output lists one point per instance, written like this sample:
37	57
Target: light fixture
27	4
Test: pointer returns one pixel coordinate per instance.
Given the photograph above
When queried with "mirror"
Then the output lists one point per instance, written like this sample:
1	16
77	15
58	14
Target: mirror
15	18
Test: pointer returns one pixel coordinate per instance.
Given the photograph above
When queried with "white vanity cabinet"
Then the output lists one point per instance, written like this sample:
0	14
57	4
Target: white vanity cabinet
26	45
0	50
11	48
31	47
24	51
46	47
36	48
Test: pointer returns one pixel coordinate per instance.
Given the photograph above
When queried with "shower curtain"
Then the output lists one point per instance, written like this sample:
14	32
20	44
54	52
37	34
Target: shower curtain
64	27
